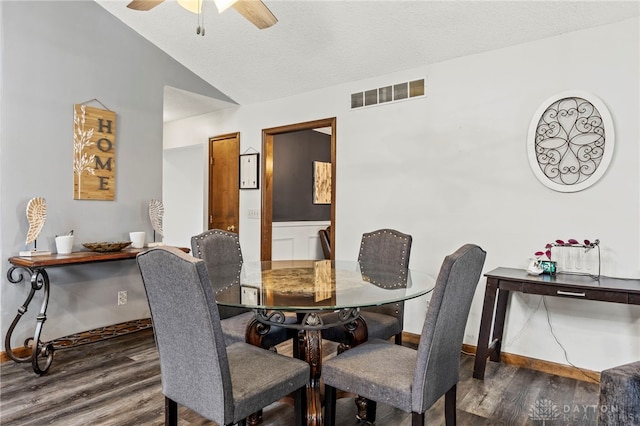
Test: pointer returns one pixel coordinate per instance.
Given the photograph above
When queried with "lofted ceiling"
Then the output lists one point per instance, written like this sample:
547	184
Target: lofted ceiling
318	44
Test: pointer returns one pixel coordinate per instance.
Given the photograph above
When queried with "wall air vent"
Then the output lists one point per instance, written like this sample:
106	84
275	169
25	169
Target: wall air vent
387	94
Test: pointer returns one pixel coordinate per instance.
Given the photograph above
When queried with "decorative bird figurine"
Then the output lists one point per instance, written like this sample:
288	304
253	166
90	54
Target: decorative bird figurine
156	212
36	215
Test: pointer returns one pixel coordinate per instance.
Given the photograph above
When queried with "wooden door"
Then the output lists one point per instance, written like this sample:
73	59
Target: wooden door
224	171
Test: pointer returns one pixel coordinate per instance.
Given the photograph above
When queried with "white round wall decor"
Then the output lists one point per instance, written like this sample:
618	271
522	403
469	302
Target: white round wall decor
570	141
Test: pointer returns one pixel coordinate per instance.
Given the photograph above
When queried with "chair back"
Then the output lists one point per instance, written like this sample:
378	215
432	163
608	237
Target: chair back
438	363
219	248
386	246
193	358
325	241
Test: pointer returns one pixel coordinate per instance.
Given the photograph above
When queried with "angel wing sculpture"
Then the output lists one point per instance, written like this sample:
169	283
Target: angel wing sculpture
156	212
36	215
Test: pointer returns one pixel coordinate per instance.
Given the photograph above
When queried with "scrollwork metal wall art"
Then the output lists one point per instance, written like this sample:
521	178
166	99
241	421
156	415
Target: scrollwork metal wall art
570	141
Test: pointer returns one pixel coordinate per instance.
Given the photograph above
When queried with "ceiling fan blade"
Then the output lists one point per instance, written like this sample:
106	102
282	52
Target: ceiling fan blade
256	12
144	4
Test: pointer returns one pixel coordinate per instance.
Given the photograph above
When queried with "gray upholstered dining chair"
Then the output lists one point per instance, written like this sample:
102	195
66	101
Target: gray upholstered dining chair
221	249
222	383
384	246
408	379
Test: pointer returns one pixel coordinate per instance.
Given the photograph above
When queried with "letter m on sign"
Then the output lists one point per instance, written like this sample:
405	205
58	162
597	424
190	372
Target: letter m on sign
94	153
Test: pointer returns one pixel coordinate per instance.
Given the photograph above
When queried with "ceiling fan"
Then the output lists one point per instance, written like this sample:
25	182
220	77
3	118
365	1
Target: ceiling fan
253	10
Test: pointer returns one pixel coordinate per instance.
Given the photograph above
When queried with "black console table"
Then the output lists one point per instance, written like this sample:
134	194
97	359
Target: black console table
42	352
502	281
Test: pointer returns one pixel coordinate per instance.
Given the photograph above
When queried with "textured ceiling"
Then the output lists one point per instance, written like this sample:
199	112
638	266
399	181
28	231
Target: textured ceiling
319	44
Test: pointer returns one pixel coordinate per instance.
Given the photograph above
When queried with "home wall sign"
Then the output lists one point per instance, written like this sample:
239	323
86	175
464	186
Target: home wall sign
570	141
94	153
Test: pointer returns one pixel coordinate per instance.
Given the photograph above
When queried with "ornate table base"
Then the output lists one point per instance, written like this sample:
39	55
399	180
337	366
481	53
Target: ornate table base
308	347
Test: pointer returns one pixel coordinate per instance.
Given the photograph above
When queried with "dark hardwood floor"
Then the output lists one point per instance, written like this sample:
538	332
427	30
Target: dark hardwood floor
117	382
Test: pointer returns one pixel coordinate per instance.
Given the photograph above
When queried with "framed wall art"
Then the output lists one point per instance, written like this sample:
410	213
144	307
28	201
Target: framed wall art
321	182
570	141
249	295
249	169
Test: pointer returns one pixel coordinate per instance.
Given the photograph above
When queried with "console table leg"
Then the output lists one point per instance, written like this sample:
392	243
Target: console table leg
498	325
39	281
486	323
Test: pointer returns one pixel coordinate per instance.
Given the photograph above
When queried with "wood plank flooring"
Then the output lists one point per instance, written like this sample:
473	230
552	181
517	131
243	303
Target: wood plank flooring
117	382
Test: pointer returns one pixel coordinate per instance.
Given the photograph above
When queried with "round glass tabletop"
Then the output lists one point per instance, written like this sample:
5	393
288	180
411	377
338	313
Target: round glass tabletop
306	285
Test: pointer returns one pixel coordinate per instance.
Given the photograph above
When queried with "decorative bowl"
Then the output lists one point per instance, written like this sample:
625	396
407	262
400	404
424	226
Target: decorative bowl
105	247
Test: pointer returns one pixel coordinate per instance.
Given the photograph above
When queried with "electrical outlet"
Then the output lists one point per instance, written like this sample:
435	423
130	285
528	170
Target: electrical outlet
254	213
122	298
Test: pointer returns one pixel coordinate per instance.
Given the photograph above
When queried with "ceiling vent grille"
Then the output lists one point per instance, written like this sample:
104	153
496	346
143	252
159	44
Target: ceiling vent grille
388	94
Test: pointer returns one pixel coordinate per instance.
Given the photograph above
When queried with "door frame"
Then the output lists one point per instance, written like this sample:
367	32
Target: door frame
268	137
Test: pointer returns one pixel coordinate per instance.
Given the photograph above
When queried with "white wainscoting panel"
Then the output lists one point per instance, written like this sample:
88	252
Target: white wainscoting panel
297	240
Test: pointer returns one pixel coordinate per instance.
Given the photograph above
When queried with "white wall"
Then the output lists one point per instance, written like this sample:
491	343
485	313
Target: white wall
185	201
452	168
72	53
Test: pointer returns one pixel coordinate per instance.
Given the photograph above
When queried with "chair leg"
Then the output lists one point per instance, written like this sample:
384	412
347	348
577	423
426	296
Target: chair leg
329	405
450	406
300	406
417	419
398	339
170	412
371	411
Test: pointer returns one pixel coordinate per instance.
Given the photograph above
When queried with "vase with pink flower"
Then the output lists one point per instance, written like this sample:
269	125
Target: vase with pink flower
570	257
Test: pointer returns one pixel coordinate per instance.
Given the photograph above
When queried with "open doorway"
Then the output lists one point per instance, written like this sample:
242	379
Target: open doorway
268	141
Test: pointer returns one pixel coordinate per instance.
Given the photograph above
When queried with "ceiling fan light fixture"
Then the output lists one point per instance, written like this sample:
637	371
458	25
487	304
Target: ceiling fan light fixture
223	5
193	6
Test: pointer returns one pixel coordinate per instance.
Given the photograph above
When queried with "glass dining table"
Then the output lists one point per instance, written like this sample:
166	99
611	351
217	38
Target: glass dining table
295	294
